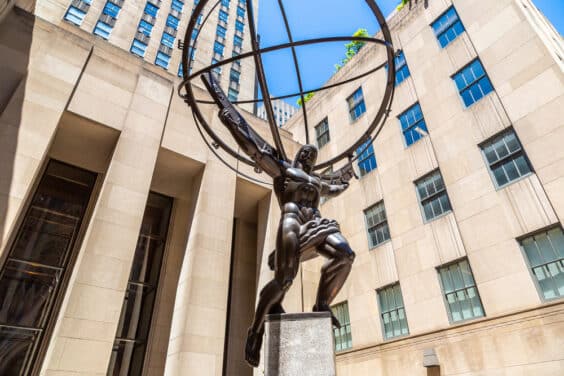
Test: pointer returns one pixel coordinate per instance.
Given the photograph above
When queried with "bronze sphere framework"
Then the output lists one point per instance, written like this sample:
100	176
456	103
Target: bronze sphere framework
256	53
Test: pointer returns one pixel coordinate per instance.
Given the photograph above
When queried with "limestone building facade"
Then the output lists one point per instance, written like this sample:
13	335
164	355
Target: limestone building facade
127	247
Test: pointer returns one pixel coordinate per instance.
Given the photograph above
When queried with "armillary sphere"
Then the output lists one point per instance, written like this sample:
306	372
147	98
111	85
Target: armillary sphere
185	88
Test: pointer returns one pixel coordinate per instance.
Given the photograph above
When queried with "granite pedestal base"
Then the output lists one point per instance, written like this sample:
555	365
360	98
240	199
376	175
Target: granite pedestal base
299	344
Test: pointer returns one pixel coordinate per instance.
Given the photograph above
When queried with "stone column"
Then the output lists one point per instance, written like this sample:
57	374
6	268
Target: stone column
84	336
38	77
198	325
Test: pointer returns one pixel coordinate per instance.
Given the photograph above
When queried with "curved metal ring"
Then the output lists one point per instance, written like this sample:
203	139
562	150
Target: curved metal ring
376	125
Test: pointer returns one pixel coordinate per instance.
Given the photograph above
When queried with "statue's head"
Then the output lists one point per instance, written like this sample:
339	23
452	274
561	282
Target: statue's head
306	157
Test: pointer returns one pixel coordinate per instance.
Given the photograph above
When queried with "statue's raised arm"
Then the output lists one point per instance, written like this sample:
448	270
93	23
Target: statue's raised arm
266	157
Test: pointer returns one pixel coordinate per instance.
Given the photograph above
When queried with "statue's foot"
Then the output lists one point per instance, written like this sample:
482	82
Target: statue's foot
252	347
326	308
276	309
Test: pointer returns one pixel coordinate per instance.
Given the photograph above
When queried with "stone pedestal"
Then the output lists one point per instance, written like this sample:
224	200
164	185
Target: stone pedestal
299	344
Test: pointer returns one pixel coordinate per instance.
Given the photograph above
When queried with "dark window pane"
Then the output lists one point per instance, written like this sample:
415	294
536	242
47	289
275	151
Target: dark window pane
147	260
26	293
45	237
136	313
522	165
511	170
500	176
127	358
16	348
30	278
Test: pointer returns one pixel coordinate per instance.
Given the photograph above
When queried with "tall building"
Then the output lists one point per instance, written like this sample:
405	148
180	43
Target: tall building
126	247
153	30
283	111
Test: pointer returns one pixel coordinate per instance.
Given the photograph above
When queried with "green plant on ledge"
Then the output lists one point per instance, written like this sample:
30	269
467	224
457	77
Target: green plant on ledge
307	97
402	4
353	47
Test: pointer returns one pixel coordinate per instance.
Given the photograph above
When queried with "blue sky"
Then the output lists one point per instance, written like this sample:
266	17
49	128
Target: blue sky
319	18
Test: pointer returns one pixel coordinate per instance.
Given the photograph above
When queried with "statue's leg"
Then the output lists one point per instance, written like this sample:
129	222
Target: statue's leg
334	272
287	264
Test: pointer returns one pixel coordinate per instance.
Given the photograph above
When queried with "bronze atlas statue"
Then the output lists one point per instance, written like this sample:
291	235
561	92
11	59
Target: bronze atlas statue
302	232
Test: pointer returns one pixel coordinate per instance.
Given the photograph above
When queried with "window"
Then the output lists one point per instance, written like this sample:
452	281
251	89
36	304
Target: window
234	75
413	124
180	74
145	27
151	10
162	60
111	10
225	3
447	27
138	48
240	12
172	21
545	253
221	31
402	71
216	69
134	325
218	47
167	40
75	14
223	16
366	160
392	312
177	5
237	41
343	336
322	133
433	196
377	224
472	83
194	35
232	94
506	158
239	26
461	295
356	104
32	276
102	30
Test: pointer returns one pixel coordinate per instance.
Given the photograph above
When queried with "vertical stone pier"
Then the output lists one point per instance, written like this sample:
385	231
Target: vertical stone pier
299	344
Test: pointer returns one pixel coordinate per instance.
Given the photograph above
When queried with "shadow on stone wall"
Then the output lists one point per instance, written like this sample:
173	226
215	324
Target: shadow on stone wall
16	34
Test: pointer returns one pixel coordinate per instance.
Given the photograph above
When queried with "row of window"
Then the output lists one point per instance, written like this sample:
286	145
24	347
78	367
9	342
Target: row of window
471	81
144	29
507	163
106	22
169	34
544	252
219	45
108	18
460	293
